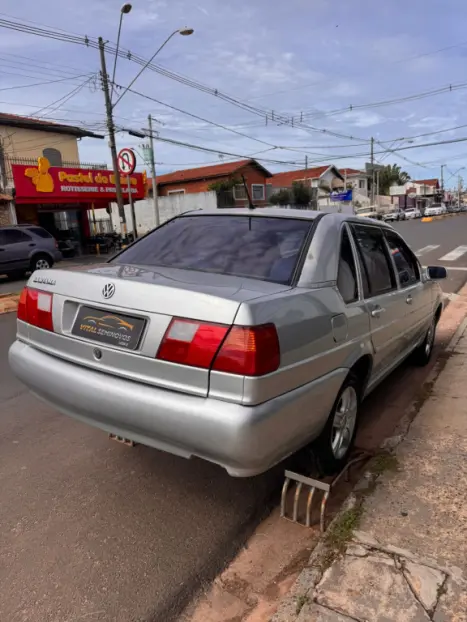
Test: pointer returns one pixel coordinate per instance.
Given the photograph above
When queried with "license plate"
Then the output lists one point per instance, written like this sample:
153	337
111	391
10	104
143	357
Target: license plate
114	329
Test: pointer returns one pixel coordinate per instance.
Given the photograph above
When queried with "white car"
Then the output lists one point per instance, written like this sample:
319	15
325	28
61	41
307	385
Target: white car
393	216
435	210
412	212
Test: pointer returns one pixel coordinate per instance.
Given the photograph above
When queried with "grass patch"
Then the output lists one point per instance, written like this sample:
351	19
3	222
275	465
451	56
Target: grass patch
301	602
384	462
342	529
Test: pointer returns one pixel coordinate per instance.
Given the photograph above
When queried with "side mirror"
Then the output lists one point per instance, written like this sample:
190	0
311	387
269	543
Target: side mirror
436	272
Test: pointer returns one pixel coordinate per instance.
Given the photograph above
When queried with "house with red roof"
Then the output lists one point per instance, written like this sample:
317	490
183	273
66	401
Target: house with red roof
236	176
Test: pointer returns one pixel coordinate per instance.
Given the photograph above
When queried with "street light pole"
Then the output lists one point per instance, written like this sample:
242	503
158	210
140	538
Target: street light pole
153	173
111	129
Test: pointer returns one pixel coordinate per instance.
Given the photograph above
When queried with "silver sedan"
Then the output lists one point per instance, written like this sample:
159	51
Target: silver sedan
238	336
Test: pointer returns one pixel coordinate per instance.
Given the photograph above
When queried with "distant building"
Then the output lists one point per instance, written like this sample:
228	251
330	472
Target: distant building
416	193
195	180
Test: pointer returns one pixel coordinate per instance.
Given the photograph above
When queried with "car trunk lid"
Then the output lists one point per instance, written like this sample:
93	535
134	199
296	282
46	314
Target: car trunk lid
121	298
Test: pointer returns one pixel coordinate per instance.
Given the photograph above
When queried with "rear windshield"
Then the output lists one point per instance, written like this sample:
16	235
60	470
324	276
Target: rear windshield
256	247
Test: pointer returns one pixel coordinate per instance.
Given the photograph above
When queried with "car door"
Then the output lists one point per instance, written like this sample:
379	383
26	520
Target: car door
417	297
385	303
17	246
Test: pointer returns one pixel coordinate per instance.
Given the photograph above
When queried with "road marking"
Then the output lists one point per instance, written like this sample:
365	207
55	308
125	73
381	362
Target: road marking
454	254
426	249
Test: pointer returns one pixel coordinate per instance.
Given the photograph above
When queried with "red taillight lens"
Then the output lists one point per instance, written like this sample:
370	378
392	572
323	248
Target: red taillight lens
35	307
193	343
249	351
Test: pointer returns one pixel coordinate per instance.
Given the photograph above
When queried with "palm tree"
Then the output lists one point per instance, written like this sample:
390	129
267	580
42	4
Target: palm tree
391	175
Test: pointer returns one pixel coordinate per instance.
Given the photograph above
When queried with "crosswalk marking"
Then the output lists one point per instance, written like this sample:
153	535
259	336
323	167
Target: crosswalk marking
426	249
454	254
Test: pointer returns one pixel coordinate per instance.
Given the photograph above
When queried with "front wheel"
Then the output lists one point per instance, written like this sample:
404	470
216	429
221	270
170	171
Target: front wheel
422	354
41	262
333	446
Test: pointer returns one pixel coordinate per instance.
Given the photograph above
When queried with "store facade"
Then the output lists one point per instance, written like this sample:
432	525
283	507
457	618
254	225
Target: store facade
62	199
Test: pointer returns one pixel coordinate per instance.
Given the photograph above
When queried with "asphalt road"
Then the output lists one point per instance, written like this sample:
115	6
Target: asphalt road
93	530
434	241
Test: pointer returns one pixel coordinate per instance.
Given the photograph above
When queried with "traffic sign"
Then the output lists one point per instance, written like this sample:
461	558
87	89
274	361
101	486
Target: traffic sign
126	161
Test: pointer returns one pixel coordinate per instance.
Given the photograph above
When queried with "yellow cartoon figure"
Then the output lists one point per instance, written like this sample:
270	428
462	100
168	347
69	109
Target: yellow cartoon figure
40	176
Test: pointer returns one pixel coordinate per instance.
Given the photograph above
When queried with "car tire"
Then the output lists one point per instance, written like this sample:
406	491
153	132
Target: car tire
333	446
422	355
41	262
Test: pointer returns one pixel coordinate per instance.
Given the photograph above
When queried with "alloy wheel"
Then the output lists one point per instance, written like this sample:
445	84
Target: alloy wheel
343	425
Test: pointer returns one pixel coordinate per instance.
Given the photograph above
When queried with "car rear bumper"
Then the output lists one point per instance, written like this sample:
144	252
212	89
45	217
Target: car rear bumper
245	440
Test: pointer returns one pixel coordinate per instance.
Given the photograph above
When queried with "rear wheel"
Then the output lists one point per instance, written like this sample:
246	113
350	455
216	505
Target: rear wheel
41	262
333	446
422	355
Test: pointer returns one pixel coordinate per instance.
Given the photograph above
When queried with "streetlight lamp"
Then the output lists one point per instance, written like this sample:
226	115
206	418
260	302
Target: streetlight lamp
185	32
109	106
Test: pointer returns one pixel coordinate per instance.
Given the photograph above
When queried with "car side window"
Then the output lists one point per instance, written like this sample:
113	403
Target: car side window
404	260
347	283
13	236
376	260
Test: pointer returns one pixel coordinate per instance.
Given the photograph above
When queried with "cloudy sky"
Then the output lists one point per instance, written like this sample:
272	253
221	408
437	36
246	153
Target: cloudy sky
313	61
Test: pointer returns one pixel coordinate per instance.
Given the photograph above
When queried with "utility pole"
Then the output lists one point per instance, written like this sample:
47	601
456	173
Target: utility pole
111	129
306	167
153	173
459	190
372	160
442	180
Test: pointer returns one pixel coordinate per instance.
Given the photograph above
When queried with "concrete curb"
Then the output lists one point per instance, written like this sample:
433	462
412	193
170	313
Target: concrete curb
9	303
323	555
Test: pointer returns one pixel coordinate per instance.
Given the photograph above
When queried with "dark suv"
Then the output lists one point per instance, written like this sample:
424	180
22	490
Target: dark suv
25	248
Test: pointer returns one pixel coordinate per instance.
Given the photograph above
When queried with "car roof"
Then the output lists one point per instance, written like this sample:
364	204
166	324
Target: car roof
275	212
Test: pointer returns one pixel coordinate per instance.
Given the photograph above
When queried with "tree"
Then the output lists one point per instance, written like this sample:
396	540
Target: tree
301	193
391	175
282	197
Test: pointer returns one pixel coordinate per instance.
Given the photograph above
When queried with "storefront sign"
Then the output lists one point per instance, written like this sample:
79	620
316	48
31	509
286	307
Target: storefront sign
56	184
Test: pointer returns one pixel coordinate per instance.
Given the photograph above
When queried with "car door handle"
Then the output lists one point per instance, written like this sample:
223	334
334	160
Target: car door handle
376	312
32	244
409	299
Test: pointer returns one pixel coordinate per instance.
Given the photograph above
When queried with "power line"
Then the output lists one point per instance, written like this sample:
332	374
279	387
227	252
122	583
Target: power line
26	86
352	108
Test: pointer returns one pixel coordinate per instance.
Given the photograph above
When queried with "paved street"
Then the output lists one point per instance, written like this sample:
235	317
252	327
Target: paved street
440	242
92	530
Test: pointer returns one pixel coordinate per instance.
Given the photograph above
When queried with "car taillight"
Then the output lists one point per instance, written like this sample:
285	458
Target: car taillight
35	307
193	343
247	351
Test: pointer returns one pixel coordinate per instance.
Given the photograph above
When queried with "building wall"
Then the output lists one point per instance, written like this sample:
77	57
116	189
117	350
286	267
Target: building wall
251	173
22	143
169	207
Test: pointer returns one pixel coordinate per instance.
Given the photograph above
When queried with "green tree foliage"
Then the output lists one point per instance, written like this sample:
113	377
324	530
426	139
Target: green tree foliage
283	197
391	175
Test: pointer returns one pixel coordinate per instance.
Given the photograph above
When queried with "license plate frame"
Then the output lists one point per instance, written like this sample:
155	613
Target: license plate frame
110	328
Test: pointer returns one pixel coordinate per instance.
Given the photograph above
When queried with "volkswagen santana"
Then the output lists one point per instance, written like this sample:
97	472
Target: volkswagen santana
238	336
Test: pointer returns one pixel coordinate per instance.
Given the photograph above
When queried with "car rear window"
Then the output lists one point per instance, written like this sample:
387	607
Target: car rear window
42	233
256	247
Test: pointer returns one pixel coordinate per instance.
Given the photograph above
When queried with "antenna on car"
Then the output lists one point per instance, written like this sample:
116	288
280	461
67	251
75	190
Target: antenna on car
250	204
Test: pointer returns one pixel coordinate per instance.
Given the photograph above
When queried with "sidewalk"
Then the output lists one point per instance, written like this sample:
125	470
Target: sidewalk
399	551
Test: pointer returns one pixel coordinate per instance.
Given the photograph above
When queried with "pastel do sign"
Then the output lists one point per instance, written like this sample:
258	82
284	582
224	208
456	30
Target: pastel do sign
126	161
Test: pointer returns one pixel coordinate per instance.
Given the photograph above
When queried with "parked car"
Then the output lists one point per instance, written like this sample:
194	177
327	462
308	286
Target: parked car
25	248
435	210
235	336
412	212
394	215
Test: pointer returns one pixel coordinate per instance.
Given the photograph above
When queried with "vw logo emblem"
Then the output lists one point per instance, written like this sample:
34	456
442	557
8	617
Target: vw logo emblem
108	291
